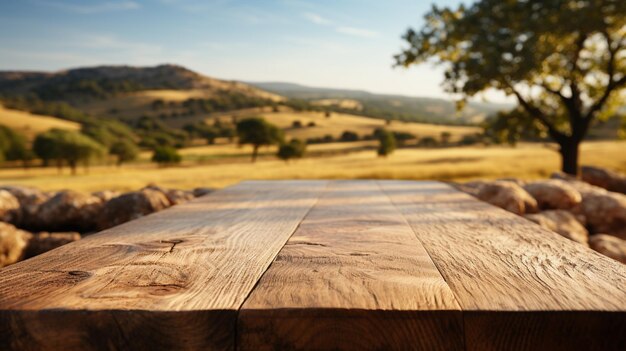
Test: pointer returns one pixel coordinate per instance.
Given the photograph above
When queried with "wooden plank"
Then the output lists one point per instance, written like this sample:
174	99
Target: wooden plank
519	286
171	280
353	276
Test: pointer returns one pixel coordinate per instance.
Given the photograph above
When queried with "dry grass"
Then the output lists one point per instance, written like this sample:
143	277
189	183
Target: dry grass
341	103
338	123
134	105
525	161
30	124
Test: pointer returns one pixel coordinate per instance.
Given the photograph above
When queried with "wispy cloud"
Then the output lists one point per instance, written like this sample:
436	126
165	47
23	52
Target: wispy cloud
95	7
317	19
358	32
354	31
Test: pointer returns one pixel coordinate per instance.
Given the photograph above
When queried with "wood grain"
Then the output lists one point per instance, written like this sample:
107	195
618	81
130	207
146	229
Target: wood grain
519	286
171	280
370	265
353	276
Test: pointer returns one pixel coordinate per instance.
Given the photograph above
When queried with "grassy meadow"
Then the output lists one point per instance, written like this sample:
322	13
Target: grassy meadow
30	124
229	164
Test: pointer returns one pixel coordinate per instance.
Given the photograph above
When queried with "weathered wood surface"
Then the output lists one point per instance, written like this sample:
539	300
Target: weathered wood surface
172	280
519	285
318	265
353	276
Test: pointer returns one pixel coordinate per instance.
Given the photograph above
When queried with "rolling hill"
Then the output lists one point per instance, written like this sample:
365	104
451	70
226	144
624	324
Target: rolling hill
30	124
106	81
419	109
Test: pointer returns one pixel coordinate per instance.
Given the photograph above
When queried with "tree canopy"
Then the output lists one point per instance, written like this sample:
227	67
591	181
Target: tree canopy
258	132
14	146
295	148
68	147
124	150
166	155
563	60
386	143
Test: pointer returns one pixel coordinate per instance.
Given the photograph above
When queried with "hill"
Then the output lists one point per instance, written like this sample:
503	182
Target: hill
106	81
316	125
30	124
145	104
420	109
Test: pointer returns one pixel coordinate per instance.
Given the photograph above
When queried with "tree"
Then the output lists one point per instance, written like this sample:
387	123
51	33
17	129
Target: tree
386	143
445	137
563	60
349	136
204	131
166	155
294	149
257	132
47	147
76	147
427	141
14	146
124	150
67	146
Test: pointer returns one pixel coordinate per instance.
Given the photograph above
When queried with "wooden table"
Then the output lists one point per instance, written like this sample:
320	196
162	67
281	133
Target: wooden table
266	265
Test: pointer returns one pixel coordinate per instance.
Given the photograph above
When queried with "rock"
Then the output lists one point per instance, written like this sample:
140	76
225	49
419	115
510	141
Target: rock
106	195
508	196
562	176
605	212
604	178
174	196
130	206
554	194
12	244
582	187
44	241
9	207
177	197
197	192
610	246
513	180
561	222
30	199
69	210
472	188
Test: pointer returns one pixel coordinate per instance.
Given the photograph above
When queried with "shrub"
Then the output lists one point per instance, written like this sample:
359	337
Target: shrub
349	136
428	142
294	149
166	155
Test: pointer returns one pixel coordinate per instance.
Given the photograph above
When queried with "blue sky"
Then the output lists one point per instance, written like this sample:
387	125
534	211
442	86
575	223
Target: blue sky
341	43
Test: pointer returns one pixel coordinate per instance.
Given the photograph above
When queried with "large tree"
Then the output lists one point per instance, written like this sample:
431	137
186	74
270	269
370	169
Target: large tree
563	60
258	132
67	146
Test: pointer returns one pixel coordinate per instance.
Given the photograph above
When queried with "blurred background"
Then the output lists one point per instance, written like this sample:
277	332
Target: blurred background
114	109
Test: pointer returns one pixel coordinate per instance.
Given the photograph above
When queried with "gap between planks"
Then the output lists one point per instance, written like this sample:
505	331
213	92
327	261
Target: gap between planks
236	326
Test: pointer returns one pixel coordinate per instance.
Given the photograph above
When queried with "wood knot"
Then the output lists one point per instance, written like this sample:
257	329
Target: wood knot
80	274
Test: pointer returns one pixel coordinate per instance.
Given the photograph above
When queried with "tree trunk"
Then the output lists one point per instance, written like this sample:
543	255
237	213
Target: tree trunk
72	165
255	152
569	151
